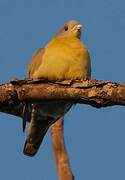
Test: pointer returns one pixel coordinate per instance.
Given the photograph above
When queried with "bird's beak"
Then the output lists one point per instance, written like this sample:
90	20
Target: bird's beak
79	26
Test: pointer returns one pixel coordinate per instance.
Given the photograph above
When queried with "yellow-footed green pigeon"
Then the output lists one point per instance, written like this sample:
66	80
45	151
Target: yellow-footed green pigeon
65	57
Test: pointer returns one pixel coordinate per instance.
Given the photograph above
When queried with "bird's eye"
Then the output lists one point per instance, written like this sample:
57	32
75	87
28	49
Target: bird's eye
66	28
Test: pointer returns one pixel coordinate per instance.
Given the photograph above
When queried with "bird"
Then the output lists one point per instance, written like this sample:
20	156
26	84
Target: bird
65	57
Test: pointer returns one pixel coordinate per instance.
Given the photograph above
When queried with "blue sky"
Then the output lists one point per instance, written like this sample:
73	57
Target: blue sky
95	138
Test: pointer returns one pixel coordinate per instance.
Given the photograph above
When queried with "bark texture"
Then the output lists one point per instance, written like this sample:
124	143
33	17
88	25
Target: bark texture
61	156
96	93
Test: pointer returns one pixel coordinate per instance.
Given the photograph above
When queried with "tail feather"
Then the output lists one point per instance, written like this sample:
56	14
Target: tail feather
25	116
31	146
38	127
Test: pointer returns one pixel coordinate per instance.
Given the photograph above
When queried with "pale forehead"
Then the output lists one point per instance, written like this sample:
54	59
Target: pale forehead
72	23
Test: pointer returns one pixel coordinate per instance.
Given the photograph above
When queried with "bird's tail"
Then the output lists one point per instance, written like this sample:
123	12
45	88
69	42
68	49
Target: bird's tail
36	132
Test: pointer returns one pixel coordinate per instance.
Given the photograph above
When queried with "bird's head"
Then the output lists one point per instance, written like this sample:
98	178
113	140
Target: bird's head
71	28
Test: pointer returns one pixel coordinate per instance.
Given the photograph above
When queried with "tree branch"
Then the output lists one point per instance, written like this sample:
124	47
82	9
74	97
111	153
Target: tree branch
60	152
94	92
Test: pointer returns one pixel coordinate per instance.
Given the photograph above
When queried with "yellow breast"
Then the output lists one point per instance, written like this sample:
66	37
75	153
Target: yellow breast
64	58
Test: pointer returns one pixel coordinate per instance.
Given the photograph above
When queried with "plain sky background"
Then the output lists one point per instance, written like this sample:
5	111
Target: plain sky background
95	138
